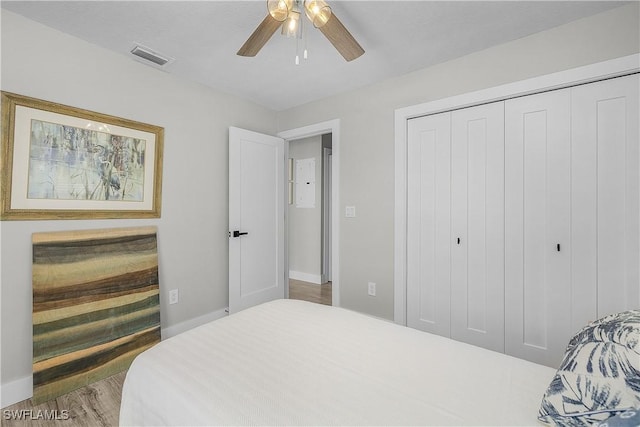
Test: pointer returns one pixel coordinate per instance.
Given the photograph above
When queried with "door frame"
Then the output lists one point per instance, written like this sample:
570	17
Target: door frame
327	202
332	127
581	75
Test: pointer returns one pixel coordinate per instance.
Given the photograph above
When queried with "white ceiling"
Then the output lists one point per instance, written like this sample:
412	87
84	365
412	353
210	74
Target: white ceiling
398	37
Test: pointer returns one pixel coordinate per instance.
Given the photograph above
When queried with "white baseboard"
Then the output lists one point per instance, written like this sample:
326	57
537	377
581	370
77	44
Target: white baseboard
22	389
16	391
192	323
305	277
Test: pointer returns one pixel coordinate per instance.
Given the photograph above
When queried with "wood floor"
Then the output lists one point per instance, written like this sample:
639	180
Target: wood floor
98	404
320	294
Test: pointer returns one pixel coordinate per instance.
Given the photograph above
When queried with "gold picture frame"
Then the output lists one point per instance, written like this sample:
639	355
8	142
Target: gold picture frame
62	162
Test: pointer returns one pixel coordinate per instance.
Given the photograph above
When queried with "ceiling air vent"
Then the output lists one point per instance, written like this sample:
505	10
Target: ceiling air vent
151	56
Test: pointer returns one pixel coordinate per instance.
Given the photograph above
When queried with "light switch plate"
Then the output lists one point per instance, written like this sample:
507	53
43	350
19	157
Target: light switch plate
350	212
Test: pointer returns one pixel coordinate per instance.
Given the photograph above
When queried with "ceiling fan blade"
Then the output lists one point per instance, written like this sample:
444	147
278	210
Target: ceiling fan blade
260	36
341	39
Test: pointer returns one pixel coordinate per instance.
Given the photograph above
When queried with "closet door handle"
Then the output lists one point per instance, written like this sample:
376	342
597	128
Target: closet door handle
558	247
458	240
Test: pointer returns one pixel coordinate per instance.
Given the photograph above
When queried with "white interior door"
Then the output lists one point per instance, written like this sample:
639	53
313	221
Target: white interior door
605	204
477	224
256	219
537	226
429	223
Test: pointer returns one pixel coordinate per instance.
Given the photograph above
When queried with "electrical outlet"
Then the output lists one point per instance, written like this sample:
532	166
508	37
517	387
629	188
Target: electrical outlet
350	211
173	296
372	289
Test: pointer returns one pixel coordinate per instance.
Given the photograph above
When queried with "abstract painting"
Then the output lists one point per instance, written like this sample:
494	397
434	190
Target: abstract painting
71	163
95	305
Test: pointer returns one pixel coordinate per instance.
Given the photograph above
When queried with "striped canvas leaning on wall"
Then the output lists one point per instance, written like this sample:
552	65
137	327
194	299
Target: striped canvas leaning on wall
95	305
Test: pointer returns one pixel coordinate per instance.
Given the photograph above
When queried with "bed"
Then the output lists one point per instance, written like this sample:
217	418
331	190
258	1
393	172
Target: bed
290	362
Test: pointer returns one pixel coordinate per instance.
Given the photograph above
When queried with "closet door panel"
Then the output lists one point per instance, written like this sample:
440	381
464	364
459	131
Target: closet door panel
428	224
605	197
477	204
537	226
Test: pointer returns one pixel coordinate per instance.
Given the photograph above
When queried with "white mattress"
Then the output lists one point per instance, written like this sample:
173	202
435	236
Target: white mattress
290	362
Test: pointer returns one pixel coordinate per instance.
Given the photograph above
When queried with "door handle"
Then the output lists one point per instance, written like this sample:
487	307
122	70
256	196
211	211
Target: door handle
237	233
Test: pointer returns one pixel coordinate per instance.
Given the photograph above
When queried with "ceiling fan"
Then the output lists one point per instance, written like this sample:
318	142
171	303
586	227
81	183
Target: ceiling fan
286	14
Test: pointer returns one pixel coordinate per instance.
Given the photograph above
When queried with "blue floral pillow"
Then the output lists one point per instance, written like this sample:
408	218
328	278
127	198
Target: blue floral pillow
630	418
599	376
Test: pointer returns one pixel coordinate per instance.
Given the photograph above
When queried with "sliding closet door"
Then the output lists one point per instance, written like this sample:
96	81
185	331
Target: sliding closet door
428	223
537	226
605	191
477	215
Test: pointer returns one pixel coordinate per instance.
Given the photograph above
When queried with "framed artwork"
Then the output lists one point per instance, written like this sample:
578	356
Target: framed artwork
61	162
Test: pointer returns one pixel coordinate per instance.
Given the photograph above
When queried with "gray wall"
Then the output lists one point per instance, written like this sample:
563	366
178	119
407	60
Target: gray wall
305	227
367	132
192	233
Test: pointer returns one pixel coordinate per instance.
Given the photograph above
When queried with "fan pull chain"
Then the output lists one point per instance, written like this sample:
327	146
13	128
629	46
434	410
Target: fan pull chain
303	29
302	34
298	36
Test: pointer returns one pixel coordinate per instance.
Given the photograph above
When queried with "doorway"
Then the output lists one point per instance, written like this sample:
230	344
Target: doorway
331	248
309	218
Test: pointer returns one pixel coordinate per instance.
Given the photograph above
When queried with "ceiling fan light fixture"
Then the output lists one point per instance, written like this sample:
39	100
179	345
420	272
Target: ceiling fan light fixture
318	12
279	9
285	14
291	26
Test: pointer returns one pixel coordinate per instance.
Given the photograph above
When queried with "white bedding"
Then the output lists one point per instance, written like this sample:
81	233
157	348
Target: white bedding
290	362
